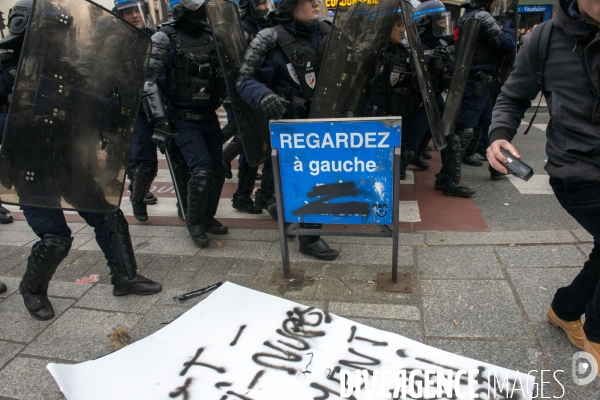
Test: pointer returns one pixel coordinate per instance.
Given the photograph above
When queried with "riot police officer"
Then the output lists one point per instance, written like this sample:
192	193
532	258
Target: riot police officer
143	151
494	40
8	61
433	23
255	16
111	229
184	57
273	84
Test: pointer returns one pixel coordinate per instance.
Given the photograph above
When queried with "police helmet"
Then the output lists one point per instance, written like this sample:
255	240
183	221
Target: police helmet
284	10
432	15
18	16
179	7
477	4
136	12
259	9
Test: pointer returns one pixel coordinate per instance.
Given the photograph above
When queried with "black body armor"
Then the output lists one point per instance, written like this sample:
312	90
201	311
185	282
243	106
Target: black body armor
484	54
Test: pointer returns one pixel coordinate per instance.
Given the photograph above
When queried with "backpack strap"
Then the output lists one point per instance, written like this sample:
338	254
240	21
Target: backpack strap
538	52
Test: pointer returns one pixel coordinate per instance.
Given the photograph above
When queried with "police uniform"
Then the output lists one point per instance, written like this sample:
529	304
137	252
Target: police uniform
287	68
111	229
475	114
185	65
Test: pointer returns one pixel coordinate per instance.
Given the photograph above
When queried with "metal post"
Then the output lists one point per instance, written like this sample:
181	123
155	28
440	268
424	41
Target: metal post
285	276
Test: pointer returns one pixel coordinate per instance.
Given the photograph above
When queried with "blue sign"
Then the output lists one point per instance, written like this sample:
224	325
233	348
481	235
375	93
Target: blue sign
535	9
337	171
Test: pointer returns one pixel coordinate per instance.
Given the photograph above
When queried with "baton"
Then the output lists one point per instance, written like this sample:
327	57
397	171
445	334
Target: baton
198	292
177	194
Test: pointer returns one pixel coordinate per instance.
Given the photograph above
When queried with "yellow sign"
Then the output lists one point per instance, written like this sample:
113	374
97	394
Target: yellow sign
347	3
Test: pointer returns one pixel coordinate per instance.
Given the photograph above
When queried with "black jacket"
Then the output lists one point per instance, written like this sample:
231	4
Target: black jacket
572	90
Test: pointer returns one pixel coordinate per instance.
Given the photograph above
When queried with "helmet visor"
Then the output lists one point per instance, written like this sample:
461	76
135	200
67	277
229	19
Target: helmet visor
440	24
500	8
262	8
188	4
135	13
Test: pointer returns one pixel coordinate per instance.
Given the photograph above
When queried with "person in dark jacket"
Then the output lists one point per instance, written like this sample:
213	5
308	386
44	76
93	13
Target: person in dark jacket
476	108
573	147
282	90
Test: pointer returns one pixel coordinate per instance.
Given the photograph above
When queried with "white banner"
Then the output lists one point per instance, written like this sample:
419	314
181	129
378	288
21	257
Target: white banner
242	344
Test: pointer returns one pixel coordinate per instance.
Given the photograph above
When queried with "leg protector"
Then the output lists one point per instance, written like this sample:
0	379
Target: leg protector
233	149
199	188
448	180
143	177
45	257
228	131
241	198
265	195
125	278
212	225
406	157
469	153
465	136
5	218
182	176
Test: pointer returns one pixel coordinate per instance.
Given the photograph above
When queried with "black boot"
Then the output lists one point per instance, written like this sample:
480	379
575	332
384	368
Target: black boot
494	174
2	287
45	257
469	157
406	157
448	180
315	246
212	225
198	193
241	198
182	176
265	195
125	278
150	199
420	163
233	149
143	177
5	217
419	160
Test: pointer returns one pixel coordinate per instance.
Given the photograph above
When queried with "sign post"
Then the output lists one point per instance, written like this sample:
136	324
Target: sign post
338	171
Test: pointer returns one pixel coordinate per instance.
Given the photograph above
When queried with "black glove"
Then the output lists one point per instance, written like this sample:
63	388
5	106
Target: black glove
273	106
439	52
162	136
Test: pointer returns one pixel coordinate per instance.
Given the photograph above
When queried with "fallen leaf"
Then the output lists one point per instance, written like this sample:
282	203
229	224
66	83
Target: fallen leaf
455	323
219	244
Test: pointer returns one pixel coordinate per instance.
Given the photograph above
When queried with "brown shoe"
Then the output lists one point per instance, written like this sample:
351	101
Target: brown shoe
594	349
573	329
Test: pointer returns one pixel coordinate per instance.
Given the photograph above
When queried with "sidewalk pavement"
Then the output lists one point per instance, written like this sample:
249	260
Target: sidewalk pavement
481	295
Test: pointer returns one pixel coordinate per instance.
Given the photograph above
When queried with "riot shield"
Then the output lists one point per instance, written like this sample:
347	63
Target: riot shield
506	9
358	38
253	125
72	114
426	89
468	40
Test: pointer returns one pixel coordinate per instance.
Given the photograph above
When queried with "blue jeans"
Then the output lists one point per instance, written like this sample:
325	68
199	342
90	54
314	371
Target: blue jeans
581	199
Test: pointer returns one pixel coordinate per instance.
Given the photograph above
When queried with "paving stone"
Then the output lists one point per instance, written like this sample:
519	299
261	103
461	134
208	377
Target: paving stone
157	318
93	245
540	256
18	238
235	248
304	293
536	287
6	251
182	274
314	268
247	266
583	235
18	325
28	379
559	352
79	268
521	356
481	308
16	260
411	330
79	239
373	254
165	262
78	226
80	335
458	262
404	239
215	270
516	237
8	351
67	289
358	272
101	297
361	292
261	235
158	231
12	285
390	311
16	226
586	248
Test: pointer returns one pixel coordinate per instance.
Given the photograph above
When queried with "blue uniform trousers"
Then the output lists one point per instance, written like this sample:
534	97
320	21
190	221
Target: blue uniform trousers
475	112
200	142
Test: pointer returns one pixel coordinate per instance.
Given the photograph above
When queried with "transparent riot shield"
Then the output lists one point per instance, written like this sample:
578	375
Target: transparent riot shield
505	10
468	40
253	125
73	109
359	36
426	89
